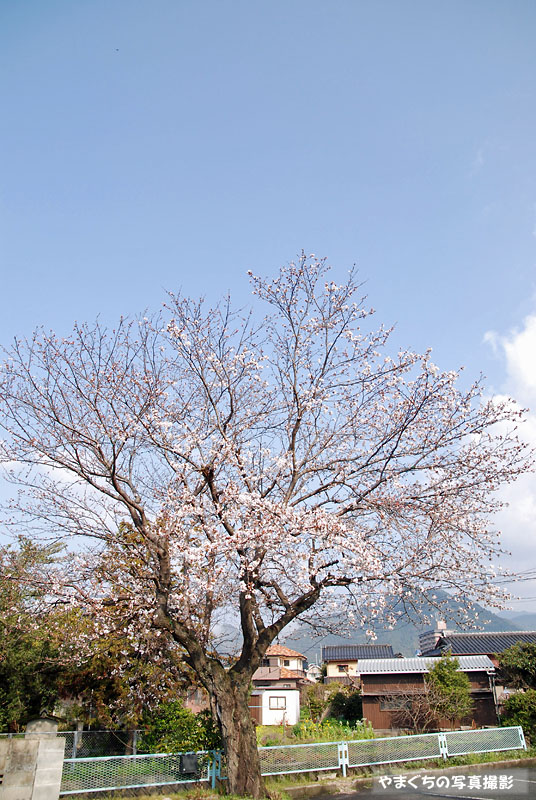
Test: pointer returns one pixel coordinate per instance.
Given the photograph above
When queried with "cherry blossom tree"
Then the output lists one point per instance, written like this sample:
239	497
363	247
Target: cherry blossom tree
221	467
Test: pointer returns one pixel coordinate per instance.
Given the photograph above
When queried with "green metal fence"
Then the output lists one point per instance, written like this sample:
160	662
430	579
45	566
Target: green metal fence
393	749
81	775
106	773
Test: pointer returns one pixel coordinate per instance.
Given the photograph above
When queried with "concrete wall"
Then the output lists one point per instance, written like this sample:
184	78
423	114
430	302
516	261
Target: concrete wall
289	715
31	768
333	670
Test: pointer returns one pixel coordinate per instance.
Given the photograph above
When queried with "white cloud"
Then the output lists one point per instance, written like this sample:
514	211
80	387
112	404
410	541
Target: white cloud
478	161
518	522
519	351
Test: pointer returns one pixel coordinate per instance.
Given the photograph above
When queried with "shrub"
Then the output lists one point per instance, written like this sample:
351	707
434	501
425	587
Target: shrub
173	728
520	709
452	689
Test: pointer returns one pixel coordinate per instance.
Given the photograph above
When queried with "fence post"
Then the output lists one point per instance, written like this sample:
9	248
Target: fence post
342	748
135	744
215	767
75	743
522	737
443	746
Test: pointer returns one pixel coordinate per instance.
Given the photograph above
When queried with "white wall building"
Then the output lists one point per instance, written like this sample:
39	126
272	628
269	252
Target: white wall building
275	706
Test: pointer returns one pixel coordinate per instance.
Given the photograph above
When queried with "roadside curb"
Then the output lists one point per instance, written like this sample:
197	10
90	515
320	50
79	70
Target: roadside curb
351	784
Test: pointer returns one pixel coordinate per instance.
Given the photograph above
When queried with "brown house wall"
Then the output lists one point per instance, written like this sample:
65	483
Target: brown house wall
374	687
380	720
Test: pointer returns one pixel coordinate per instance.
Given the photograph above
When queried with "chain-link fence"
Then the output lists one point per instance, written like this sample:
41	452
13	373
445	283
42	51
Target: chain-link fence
81	775
92	744
107	773
87	744
487	740
299	758
367	752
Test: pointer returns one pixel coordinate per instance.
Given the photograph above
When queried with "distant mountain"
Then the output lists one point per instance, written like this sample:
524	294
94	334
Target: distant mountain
510	614
404	638
523	620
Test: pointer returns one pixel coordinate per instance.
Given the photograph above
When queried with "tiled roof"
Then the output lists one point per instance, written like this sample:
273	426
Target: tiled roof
475	643
292	673
286	652
278	674
353	652
387	666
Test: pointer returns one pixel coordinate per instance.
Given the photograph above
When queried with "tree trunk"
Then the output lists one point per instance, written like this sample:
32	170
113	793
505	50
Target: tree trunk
239	737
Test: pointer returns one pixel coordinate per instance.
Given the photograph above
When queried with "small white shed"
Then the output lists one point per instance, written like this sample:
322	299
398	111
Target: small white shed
275	706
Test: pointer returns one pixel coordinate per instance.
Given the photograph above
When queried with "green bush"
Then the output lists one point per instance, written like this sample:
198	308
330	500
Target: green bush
451	689
517	666
520	709
331	730
347	707
171	728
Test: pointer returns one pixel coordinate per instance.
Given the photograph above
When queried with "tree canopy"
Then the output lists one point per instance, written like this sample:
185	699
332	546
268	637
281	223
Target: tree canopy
28	649
53	658
517	665
452	689
221	466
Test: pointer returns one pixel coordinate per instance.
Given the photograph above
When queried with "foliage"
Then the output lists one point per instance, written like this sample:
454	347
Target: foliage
119	676
220	466
337	700
520	709
171	728
346	704
317	700
517	666
51	656
452	687
330	730
28	644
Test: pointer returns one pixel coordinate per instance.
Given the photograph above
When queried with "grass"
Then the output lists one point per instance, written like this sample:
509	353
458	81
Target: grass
308	732
197	793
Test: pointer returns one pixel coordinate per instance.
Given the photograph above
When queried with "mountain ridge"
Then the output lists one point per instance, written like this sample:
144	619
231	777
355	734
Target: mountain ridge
404	636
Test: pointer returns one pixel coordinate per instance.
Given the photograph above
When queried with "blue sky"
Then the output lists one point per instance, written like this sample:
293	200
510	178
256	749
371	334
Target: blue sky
161	145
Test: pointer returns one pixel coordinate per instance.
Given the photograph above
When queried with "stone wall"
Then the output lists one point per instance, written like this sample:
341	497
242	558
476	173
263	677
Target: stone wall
31	768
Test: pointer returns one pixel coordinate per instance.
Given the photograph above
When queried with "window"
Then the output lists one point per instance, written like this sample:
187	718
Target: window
265	662
342	667
277	703
286	662
395	704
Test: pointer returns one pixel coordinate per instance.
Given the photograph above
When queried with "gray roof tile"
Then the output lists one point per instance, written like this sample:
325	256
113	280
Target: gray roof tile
352	652
476	643
378	666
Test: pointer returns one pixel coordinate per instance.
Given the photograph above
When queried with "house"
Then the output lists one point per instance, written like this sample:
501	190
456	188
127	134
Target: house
279	656
281	677
196	699
489	644
281	667
314	672
275	706
387	682
342	660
